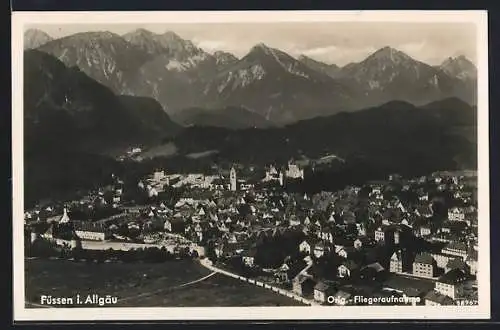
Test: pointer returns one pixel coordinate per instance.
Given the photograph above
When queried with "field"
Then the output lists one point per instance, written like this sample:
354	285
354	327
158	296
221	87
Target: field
169	284
218	290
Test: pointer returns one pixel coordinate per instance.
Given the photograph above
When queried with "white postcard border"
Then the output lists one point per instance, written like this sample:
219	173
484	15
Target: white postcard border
482	311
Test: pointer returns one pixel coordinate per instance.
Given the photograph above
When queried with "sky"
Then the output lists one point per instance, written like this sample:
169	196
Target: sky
331	42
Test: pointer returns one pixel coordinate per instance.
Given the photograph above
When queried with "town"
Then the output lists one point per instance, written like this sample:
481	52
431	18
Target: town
411	238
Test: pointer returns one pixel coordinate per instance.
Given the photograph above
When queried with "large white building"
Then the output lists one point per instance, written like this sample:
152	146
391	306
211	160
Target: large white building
294	171
451	284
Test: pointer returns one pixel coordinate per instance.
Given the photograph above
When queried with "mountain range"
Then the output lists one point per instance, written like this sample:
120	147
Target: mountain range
34	38
396	135
65	109
266	83
72	118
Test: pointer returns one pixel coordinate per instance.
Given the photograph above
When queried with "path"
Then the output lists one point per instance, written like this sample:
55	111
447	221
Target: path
143	295
148	294
208	264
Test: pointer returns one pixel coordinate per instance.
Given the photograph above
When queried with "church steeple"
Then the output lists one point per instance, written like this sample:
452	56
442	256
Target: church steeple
65	217
232	178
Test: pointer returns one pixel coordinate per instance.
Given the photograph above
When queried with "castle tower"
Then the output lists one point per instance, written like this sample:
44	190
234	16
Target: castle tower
232	178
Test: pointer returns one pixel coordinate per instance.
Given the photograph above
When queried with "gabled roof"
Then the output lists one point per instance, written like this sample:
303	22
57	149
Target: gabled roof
321	286
50	230
439	298
454	276
454	245
456	263
375	266
424	258
312	241
396	255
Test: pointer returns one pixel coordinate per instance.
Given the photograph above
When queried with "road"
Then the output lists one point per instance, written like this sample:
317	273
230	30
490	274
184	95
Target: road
208	264
148	294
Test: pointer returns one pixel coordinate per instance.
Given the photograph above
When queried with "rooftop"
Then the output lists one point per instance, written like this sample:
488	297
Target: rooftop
409	285
454	276
424	258
438	298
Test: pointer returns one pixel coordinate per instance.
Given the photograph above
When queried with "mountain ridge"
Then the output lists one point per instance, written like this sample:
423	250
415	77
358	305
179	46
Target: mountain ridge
267	81
65	108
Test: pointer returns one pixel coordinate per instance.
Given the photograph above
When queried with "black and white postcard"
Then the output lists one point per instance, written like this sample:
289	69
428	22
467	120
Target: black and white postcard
256	165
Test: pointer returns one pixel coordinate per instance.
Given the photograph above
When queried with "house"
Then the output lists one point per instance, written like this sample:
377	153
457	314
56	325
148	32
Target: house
174	225
326	234
307	245
322	291
451	284
361	229
424	265
303	285
294	172
379	235
358	244
455	248
294	221
308	260
423	196
234	249
423	231
319	249
49	233
442	259
345	252
457	263
347	269
248	257
396	262
61	218
372	271
456	214
219	248
409	286
434	298
471	261
56	231
290	270
445	228
424	211
91	231
385	235
281	274
307	221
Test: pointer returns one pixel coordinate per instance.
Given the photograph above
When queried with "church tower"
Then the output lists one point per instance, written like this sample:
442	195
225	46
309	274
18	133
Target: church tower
232	178
65	217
